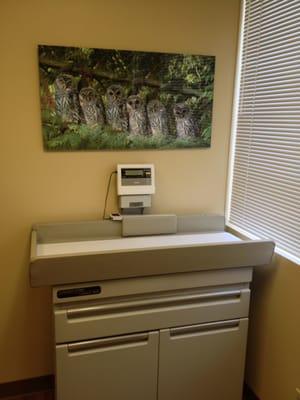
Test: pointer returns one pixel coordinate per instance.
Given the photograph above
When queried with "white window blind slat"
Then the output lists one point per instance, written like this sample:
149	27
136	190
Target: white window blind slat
283	46
270	113
271	121
281	189
264	177
271	148
273	71
260	104
273	36
270	35
292	36
273	197
277	144
277	132
264	226
263	231
270	174
272	157
273	82
265	16
274	6
255	215
291	95
266	26
269	168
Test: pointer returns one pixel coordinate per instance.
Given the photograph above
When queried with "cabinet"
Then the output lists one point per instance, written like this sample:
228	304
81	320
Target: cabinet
180	341
122	367
155	317
202	361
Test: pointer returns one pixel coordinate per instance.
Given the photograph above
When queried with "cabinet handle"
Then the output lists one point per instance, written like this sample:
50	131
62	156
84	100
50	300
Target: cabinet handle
107	343
154	303
203	328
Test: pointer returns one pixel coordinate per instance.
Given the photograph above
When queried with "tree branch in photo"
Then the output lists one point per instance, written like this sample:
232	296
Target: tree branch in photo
69	67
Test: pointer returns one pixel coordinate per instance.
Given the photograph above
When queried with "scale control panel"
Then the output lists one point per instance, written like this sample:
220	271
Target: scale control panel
135	179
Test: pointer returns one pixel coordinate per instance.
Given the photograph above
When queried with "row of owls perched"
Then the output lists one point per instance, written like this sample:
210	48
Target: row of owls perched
121	113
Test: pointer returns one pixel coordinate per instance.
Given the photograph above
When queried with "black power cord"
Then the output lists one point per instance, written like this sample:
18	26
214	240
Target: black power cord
107	193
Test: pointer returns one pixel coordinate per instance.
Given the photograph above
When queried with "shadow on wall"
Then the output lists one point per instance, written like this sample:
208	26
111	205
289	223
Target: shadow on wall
27	323
272	369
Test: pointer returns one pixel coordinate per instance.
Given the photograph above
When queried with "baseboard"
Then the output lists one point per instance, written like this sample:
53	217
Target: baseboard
249	394
40	384
44	383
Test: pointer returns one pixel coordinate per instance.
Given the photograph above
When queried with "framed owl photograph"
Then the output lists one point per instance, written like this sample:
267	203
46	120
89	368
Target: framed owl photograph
100	99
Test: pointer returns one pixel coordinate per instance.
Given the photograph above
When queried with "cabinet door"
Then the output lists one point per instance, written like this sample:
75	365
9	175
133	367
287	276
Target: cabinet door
123	367
203	362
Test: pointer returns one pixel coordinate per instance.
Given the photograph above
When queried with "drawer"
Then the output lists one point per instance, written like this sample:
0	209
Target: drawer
139	314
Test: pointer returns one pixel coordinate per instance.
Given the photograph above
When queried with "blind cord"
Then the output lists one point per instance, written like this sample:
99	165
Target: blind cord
107	193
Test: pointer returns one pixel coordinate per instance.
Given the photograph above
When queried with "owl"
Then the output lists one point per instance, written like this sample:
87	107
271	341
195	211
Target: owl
116	114
92	106
186	125
66	99
157	116
137	115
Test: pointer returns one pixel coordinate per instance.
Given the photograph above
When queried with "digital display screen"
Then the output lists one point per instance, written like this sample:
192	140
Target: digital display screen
134	172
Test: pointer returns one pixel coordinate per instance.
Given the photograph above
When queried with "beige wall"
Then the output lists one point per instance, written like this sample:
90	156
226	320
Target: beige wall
37	186
273	360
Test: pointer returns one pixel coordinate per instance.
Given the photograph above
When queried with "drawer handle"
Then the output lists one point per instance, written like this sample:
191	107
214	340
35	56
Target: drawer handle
172	301
99	344
202	328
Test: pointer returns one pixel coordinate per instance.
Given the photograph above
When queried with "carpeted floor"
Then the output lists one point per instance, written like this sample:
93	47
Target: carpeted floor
49	395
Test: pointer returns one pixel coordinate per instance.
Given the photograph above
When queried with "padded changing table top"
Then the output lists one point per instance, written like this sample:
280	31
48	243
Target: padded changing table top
133	243
90	251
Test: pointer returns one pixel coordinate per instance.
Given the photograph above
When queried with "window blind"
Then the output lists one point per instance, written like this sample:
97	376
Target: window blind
264	177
